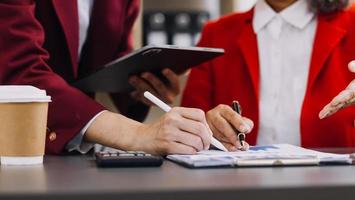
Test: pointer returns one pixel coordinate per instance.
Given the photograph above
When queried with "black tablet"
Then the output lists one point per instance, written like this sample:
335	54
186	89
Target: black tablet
114	76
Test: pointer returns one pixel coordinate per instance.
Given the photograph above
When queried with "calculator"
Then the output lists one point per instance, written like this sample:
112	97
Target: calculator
127	159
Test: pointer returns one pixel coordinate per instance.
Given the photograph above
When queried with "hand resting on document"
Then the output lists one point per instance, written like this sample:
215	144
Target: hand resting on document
225	123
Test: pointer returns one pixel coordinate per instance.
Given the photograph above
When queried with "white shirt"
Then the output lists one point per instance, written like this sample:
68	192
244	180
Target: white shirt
285	43
84	13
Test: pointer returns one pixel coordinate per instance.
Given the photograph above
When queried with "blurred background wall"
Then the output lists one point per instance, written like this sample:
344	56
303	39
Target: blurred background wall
176	22
177	12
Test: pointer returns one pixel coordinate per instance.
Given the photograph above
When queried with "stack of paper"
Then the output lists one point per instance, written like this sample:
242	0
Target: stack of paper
275	155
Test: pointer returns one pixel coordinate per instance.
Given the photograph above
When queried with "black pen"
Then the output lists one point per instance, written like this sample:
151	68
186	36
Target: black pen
237	108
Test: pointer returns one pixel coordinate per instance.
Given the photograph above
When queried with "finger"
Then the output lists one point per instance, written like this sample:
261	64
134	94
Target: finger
224	127
138	96
189	139
196	115
238	147
342	100
235	119
230	146
325	111
249	122
158	86
178	148
329	110
351	86
351	66
173	79
334	105
191	113
140	85
344	97
135	95
218	135
332	111
198	129
244	147
350	99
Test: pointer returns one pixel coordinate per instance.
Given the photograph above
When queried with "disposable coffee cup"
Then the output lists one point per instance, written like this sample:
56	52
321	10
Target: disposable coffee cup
23	124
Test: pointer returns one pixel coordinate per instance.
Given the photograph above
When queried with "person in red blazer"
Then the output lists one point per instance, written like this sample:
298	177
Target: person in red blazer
39	44
237	75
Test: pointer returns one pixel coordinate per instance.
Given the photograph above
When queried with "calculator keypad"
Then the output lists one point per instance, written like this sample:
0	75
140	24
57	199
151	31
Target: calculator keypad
127	159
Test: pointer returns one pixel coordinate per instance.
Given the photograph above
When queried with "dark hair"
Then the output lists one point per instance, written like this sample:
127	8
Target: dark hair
328	6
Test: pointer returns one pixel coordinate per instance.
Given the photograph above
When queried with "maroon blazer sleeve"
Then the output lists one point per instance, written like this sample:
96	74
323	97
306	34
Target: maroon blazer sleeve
23	62
131	13
124	103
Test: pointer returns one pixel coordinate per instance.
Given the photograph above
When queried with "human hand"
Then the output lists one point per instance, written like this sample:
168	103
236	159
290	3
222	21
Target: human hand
344	99
225	122
149	82
180	131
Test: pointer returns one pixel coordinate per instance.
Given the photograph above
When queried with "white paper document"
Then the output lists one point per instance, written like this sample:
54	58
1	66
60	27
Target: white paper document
273	155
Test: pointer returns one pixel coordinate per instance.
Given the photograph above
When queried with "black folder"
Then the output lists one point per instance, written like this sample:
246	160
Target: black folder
114	76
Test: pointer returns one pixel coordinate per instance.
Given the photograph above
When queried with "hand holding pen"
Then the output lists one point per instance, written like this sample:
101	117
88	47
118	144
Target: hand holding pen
226	124
168	109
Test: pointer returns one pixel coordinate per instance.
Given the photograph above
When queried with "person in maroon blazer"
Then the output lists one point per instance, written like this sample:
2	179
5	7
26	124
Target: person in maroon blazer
51	43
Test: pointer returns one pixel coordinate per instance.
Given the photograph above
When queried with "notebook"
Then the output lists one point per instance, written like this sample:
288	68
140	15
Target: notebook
273	155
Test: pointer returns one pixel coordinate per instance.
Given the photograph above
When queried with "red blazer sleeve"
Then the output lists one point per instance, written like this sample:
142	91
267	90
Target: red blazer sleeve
198	92
23	62
124	103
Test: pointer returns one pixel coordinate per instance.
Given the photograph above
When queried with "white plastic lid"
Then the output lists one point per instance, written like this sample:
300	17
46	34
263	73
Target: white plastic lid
29	160
22	94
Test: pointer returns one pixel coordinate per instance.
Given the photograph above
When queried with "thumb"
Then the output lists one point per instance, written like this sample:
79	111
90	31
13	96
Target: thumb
351	66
